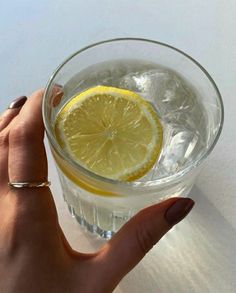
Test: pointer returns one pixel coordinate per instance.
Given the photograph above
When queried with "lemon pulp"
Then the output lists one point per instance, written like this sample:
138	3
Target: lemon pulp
110	131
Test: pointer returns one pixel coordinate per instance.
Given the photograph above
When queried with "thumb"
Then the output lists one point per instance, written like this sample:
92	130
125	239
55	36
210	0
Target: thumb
139	235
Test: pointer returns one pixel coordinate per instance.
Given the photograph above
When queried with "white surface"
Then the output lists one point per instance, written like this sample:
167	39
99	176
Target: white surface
35	36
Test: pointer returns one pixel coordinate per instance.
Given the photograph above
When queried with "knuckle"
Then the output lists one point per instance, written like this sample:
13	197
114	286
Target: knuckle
3	139
145	239
21	133
4	119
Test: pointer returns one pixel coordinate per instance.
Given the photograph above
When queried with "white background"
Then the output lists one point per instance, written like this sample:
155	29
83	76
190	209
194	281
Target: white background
36	36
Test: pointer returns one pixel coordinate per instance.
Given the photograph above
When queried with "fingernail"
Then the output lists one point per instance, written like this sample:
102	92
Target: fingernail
17	103
58	85
178	210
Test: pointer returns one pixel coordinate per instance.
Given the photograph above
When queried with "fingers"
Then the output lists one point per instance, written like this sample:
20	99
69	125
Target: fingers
31	210
27	162
5	120
27	158
139	235
12	111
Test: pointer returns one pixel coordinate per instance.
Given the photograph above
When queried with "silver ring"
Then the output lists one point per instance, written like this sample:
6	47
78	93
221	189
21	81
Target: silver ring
29	184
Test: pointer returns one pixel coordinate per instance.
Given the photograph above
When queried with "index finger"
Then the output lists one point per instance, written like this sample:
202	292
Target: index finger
27	157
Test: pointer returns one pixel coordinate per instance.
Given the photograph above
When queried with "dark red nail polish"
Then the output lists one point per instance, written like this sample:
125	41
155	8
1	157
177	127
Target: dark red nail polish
178	210
17	103
58	85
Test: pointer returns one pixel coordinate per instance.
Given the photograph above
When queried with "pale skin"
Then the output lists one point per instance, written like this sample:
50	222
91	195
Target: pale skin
34	253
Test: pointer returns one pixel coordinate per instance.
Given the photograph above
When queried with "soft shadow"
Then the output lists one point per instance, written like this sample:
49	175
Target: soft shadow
197	256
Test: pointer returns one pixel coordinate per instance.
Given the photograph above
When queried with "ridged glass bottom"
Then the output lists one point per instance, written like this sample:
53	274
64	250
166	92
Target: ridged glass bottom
99	215
105	215
94	229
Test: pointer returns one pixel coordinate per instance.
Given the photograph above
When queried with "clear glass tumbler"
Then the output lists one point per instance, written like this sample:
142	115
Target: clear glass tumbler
103	205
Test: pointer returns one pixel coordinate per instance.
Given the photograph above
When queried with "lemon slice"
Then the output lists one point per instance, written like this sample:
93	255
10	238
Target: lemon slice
110	131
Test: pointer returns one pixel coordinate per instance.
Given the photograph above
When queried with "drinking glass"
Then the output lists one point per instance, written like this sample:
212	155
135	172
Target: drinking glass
103	205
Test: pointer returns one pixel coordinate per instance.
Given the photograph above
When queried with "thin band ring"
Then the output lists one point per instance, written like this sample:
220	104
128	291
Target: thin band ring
29	184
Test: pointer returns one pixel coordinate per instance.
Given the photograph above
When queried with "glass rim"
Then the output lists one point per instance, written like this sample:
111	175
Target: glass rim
136	184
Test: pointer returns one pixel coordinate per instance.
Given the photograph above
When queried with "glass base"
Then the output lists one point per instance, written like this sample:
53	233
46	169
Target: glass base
103	215
94	229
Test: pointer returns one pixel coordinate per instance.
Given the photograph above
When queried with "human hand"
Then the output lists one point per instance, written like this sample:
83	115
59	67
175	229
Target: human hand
34	254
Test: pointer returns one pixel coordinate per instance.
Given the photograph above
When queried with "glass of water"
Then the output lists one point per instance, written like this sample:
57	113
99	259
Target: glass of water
186	100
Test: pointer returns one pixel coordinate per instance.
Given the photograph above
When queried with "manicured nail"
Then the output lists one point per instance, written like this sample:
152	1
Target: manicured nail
178	210
17	103
58	85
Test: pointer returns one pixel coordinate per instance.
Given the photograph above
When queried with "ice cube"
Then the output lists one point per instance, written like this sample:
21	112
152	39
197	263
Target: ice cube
164	88
178	148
